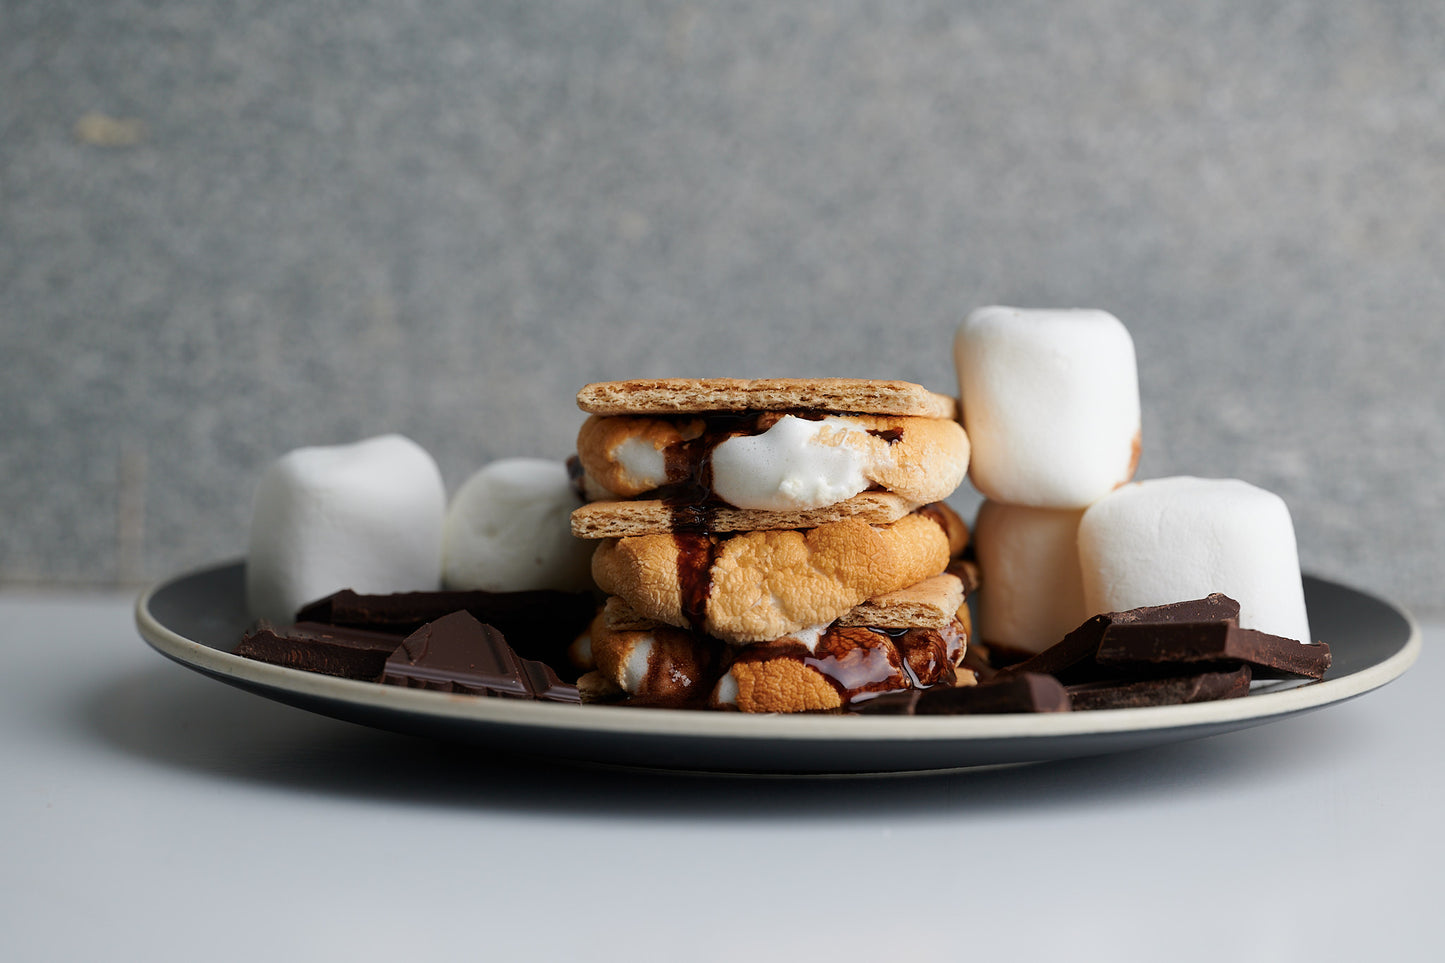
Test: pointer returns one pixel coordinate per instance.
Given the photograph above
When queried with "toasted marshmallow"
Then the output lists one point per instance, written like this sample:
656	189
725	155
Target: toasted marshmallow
1032	593
509	530
366	516
1050	404
644	463
790	466
1169	539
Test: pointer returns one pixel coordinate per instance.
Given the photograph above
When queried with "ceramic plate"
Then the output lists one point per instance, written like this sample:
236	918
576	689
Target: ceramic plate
197	618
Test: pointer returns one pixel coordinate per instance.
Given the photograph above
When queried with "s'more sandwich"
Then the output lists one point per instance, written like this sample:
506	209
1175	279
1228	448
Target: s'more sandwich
776	545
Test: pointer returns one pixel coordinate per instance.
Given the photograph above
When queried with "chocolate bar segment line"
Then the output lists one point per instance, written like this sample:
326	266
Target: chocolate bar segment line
341	651
1163	691
456	653
1190	643
1073	658
1029	692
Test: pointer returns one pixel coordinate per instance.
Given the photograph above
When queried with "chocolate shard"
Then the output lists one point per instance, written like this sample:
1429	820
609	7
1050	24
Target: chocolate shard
1162	691
456	653
1215	607
1195	643
900	702
333	650
1030	692
1072	660
538	624
544	685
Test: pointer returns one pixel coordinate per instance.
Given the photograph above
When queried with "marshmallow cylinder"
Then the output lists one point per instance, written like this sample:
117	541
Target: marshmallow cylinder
509	530
1050	403
366	516
1032	593
1172	539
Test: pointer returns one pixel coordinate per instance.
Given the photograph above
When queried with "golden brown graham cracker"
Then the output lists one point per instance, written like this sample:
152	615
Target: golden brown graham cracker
693	395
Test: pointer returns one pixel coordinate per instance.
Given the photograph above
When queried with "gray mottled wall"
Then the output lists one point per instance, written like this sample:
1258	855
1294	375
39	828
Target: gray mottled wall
229	229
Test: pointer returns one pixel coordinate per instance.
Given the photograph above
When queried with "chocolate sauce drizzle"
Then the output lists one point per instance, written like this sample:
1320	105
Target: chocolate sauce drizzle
863	663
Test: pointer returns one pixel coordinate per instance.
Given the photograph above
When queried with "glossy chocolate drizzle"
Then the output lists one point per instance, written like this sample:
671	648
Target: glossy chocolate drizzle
862	663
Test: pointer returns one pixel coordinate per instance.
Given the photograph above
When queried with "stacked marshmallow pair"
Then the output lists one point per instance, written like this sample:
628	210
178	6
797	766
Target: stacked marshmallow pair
373	516
1050	403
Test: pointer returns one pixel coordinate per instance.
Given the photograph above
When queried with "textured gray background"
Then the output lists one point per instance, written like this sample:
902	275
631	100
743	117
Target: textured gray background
229	229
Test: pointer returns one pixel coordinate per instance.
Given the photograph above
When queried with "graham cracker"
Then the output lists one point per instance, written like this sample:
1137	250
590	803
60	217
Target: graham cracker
620	519
696	395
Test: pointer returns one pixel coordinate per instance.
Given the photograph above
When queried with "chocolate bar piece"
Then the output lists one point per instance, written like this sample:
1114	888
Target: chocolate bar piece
538	624
333	650
1190	643
1072	659
1162	691
456	653
1030	692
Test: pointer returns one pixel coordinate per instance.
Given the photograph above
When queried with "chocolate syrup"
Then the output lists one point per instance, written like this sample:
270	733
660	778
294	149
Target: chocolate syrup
693	507
696	553
862	663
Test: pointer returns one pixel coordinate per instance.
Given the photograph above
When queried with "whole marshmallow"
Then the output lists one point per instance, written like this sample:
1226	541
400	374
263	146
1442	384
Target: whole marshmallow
365	516
1050	403
1033	591
509	530
1172	539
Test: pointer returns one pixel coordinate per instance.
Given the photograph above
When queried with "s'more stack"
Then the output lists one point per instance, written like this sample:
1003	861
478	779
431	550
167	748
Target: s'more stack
774	545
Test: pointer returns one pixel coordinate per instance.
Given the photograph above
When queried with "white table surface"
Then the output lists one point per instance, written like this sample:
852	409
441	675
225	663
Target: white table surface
154	814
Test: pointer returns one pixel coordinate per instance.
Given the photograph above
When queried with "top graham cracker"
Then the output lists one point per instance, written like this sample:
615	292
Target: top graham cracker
659	396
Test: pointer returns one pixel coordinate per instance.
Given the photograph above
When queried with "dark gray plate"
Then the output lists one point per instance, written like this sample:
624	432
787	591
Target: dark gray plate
197	618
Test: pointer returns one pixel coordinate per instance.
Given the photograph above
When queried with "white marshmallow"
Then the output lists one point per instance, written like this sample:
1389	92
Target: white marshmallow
1172	539
1032	593
787	467
509	530
1050	404
365	516
642	462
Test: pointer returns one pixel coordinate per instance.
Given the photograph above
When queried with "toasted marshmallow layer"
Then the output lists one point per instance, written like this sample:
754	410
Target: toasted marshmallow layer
645	463
789	466
509	530
1050	404
1033	592
1169	539
365	516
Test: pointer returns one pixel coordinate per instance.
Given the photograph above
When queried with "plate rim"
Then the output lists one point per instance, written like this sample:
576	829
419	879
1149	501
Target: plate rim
691	724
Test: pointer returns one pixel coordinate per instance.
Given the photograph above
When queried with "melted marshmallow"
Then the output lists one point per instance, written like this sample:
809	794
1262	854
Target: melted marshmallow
645	464
787	467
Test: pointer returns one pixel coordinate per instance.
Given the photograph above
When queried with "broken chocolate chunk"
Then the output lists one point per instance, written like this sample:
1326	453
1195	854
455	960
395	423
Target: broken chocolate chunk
456	653
1162	691
1191	643
538	624
311	646
1030	692
1073	661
